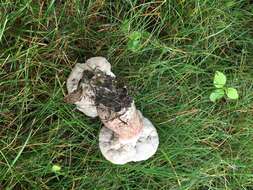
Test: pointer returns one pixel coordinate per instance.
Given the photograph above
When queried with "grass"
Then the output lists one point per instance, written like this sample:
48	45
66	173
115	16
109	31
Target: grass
202	145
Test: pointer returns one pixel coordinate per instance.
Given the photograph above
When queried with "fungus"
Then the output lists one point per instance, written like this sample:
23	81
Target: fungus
126	135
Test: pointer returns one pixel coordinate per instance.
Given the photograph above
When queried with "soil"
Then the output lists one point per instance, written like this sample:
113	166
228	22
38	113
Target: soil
110	94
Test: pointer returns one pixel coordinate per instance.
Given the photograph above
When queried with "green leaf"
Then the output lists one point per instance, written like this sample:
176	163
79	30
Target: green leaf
219	79
134	42
135	36
216	95
125	27
232	93
56	168
133	45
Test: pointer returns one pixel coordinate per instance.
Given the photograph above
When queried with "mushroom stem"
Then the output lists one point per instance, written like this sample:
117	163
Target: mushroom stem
127	123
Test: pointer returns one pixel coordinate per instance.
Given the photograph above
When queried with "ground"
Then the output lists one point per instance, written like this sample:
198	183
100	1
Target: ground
166	52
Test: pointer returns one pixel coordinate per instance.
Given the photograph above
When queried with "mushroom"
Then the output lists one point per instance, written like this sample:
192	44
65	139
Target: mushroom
127	135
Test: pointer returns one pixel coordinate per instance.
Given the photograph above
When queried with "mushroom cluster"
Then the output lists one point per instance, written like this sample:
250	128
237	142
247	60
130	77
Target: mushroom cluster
126	135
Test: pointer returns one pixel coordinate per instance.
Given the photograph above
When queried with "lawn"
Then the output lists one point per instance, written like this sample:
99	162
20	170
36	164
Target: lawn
166	52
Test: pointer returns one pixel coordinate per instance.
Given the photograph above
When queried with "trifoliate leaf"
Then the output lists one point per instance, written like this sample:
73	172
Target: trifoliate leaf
232	93
219	79
216	95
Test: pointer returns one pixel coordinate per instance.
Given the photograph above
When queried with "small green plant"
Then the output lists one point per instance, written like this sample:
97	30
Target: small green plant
134	37
56	168
221	90
134	41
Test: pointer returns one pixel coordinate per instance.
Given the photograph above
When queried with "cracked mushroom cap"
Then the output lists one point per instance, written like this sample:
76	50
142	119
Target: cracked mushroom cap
81	93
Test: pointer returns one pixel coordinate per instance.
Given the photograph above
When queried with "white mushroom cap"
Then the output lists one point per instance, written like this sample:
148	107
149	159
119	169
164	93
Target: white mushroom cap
87	104
137	149
74	77
99	63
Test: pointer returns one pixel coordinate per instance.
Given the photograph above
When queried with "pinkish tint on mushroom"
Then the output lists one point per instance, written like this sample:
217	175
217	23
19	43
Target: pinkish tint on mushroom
126	135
